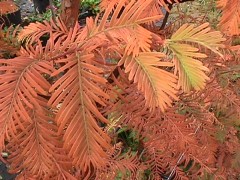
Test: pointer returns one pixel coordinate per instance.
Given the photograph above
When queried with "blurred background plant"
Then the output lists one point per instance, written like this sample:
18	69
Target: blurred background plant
91	5
195	12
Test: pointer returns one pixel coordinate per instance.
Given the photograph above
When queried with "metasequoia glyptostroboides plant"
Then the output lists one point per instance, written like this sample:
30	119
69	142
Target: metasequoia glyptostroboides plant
61	104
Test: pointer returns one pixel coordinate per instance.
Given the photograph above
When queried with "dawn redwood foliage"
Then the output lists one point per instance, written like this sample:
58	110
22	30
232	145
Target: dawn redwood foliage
63	105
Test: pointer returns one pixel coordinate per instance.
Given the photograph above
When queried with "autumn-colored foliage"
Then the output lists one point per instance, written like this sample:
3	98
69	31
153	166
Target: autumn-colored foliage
7	7
64	105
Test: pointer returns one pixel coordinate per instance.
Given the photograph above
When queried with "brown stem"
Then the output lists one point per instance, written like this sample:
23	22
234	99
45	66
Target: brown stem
70	11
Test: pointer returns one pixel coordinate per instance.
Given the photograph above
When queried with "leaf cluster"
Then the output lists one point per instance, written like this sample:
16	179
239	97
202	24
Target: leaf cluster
117	99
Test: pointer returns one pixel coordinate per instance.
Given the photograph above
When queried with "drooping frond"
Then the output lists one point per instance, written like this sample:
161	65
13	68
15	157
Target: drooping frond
230	20
214	114
56	100
26	122
77	93
21	81
158	85
38	150
190	70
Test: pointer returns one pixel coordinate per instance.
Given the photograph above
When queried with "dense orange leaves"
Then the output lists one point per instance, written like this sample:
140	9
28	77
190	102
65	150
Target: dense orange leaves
66	106
230	20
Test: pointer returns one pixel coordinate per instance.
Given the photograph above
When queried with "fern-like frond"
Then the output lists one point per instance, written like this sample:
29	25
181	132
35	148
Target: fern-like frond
230	20
155	162
129	107
77	93
153	8
179	142
158	85
130	14
21	81
38	150
190	70
134	40
223	100
34	31
201	35
127	164
126	27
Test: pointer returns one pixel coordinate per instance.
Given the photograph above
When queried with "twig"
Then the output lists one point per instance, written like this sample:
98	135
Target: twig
173	170
166	17
140	156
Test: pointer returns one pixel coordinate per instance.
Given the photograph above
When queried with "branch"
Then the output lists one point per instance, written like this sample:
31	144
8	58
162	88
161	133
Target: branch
166	18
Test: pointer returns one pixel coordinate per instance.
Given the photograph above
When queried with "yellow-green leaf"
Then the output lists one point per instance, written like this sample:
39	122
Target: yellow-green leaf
200	35
158	85
190	70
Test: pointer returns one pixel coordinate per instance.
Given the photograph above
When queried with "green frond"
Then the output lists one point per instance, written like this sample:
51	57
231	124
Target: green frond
200	35
190	70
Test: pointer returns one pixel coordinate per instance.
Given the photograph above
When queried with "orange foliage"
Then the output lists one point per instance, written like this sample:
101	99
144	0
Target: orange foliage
7	7
65	105
230	20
